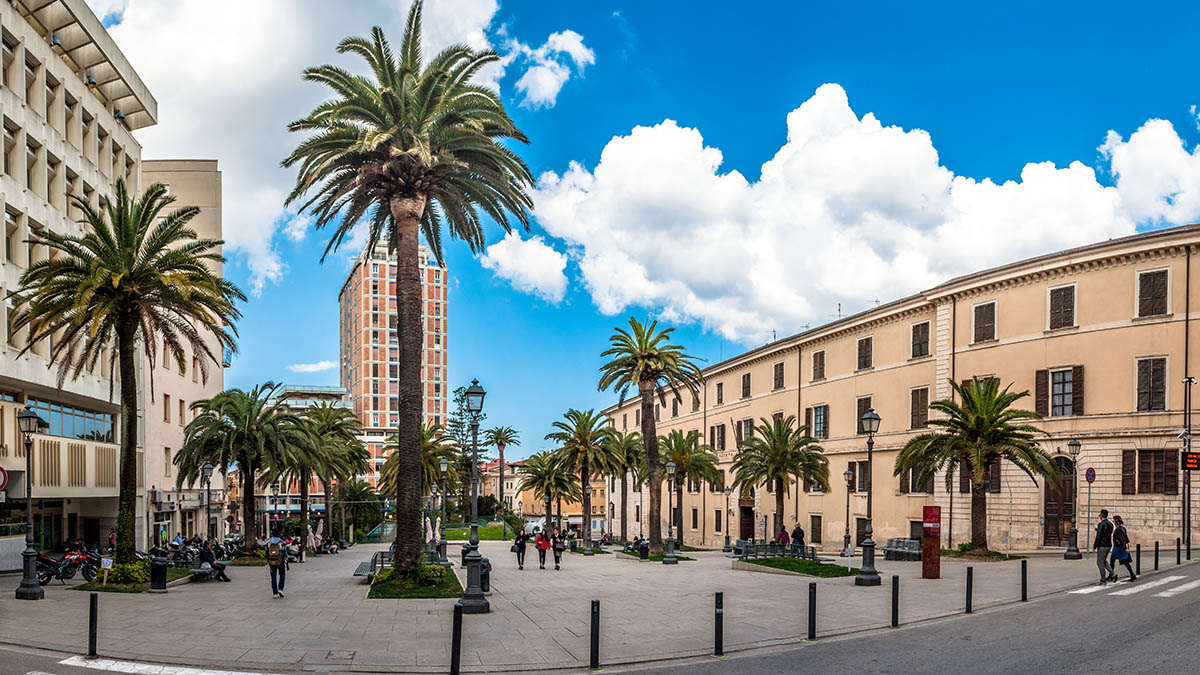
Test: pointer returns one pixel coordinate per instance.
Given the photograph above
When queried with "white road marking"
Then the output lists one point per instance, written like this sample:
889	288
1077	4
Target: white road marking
1147	585
1090	589
1172	592
114	666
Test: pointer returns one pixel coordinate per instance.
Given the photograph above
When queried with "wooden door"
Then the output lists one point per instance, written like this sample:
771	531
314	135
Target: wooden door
1059	505
746	522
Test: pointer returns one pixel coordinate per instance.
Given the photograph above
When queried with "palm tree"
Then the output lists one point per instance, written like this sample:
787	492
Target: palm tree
411	149
297	463
544	475
583	448
694	461
343	453
435	446
974	436
501	437
629	457
776	452
250	429
134	276
362	503
643	357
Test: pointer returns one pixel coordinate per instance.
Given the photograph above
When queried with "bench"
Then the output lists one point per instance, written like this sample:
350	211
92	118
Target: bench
902	549
204	573
370	568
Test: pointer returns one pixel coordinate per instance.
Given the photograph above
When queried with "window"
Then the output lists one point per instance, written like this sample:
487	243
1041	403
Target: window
916	530
814	530
716	437
1152	293
695	403
637	417
748	427
657	412
166	355
695	519
920	339
864	353
195	368
778	376
624	421
167	462
1061	393
816	419
675	407
637	512
860	476
180	412
818	365
717	520
720	393
910	481
919	408
1157	471
1151	384
166	408
745	385
985	321
1062	307
864	404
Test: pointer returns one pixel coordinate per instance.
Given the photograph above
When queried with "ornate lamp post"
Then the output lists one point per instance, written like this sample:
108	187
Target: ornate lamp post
669	558
473	601
206	472
587	531
444	465
847	547
1073	534
867	576
29	422
728	492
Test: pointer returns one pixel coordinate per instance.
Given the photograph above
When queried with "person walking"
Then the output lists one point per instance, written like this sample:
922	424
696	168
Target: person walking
112	540
798	538
556	542
543	544
1120	550
519	542
782	537
1102	545
207	556
277	560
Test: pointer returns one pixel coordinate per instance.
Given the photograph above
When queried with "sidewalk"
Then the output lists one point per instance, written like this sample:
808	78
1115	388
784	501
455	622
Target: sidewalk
539	618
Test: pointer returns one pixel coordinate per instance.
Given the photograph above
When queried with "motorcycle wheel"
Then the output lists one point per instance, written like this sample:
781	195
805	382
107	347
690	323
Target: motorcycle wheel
89	573
69	572
44	577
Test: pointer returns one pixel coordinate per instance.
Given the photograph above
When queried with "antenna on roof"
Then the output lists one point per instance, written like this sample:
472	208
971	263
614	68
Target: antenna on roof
839	310
876	302
773	338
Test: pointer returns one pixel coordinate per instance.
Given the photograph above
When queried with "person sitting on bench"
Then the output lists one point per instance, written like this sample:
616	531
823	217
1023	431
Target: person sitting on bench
207	556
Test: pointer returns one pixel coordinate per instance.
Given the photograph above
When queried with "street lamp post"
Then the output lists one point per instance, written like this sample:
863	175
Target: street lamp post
669	558
29	422
847	547
473	601
587	531
728	492
275	510
867	576
444	465
206	471
1073	534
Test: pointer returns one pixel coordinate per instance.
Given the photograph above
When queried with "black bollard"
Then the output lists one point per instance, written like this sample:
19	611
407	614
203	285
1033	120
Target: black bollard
812	610
1156	556
970	582
895	600
1024	581
456	641
595	659
719	626
93	621
1138	559
1177	556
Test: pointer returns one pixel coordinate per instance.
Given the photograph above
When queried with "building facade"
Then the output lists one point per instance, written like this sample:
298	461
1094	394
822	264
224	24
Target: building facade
533	510
369	350
1100	336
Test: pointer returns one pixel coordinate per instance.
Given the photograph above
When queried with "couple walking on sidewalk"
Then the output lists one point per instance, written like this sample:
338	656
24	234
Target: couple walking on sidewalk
1112	547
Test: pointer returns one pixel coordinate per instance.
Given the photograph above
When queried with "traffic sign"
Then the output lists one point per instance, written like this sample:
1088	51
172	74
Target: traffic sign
1191	461
3	478
1090	475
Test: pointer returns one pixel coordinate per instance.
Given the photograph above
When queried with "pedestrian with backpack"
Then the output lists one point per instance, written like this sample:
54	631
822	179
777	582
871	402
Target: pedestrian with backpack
277	560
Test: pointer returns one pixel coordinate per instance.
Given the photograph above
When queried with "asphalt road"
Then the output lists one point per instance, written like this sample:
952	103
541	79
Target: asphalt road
1139	632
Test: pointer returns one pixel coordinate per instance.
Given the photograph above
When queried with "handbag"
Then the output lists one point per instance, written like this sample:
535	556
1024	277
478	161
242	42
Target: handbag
514	548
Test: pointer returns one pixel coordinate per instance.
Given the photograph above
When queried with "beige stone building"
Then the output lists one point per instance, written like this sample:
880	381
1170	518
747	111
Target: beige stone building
1099	335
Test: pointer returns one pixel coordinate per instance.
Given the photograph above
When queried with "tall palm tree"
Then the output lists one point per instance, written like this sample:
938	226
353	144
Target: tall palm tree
435	446
974	435
583	448
694	461
501	437
644	357
545	476
298	461
135	276
775	453
362	503
343	454
629	458
248	428
412	149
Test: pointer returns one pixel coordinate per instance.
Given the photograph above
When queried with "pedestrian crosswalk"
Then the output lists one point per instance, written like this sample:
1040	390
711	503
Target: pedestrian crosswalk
1126	588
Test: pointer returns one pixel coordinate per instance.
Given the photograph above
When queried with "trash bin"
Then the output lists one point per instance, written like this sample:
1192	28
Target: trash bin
158	574
644	551
485	575
572	546
466	548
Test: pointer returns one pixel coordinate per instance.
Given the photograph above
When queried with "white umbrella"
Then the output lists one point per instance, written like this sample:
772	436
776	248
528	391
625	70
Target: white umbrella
437	528
312	538
428	531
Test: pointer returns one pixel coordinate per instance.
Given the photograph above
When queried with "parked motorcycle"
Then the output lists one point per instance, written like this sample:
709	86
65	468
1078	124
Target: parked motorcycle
49	569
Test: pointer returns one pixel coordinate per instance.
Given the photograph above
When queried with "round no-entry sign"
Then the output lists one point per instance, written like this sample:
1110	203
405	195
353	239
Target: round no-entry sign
3	478
1090	475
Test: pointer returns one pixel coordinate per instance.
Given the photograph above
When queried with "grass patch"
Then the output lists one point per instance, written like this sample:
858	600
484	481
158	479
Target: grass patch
597	551
384	587
490	533
173	573
693	549
808	567
247	562
985	555
659	557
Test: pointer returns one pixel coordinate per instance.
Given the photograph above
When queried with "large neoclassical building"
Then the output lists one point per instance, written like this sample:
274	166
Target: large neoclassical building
1099	335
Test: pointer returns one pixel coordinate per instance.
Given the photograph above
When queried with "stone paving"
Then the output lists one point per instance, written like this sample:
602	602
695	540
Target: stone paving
539	618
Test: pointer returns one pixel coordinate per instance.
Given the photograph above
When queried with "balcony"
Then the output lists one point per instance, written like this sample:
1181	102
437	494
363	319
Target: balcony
65	467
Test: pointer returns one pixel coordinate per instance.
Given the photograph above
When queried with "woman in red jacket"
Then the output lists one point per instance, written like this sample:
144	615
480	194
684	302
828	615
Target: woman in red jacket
543	545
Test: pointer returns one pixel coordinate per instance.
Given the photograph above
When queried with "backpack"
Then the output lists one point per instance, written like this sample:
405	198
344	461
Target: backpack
274	554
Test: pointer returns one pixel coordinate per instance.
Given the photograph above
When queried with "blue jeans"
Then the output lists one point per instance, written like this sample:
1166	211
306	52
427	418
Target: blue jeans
278	577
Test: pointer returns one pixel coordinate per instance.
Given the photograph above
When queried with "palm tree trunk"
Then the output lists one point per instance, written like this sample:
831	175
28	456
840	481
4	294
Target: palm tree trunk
549	513
249	506
304	509
654	471
560	522
127	500
500	450
778	505
978	516
586	516
624	510
327	533
410	333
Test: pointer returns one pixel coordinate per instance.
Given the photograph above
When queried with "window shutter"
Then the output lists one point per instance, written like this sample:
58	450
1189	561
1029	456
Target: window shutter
1152	287
1171	472
993	477
1145	472
1077	390
964	478
914	407
826	426
808	421
1041	395
1128	472
807	485
1158	388
1143	385
904	478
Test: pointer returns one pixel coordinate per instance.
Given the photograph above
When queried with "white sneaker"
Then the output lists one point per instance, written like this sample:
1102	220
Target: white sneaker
274	595
281	594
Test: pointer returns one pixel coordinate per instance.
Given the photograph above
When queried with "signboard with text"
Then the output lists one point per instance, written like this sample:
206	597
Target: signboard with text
1191	461
931	542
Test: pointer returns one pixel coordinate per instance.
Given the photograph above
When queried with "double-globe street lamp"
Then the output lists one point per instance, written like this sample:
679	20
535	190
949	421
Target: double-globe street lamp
1073	534
867	576
29	423
669	558
847	547
473	601
444	465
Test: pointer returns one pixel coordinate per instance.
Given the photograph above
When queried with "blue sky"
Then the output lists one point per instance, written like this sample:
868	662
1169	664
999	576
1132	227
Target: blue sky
883	173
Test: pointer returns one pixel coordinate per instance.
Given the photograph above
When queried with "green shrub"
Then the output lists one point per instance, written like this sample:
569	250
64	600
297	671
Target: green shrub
383	576
428	575
137	572
965	547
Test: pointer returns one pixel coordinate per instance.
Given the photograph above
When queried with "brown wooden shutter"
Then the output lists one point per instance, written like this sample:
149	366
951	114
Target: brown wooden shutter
1128	472
1041	395
1171	472
1143	385
814	534
1152	293
985	322
1077	390
964	478
1145	472
827	426
993	477
807	485
808	415
1158	385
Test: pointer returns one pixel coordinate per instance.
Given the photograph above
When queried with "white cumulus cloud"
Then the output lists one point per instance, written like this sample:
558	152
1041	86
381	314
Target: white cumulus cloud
549	66
849	210
311	367
530	265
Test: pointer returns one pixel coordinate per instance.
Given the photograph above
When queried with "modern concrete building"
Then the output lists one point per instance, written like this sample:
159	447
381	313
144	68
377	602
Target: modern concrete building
1118	311
369	354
